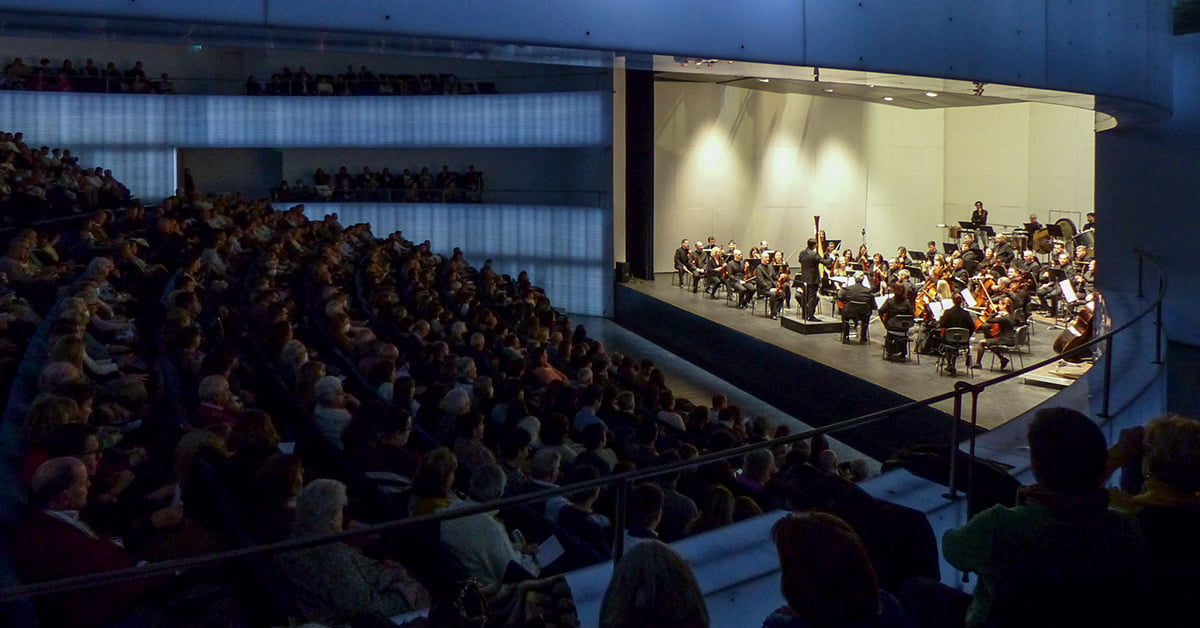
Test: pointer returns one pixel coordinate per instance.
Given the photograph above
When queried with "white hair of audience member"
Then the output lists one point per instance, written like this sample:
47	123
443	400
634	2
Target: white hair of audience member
478	340
456	402
294	353
464	368
56	373
859	470
327	390
458	329
98	266
758	464
545	464
487	483
213	388
584	376
626	401
827	461
319	507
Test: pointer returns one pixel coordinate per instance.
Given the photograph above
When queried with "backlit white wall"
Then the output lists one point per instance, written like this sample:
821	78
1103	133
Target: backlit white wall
749	165
1019	159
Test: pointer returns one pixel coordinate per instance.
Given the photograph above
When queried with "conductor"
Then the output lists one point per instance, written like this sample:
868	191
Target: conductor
810	276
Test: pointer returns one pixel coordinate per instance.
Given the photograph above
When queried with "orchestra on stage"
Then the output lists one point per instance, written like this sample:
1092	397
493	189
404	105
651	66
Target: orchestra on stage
980	282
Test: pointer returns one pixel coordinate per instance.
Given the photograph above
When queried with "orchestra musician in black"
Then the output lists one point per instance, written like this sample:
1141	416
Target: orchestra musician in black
979	217
810	277
1003	250
955	316
735	280
971	253
714	272
683	263
857	304
766	281
1005	326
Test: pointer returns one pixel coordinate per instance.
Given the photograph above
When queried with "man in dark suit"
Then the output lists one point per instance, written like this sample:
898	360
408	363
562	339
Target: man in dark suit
857	303
683	262
810	277
767	282
971	253
54	543
735	280
1003	250
955	316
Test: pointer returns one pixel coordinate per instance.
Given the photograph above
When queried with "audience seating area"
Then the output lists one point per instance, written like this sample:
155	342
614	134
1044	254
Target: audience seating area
447	186
89	77
363	82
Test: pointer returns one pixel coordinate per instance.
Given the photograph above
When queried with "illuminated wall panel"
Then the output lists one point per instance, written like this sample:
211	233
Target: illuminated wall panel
558	119
566	249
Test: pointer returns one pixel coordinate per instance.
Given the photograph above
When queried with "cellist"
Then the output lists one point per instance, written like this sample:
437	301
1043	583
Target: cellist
1000	330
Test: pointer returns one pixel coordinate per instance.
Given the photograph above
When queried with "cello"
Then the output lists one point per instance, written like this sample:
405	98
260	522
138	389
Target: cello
1078	332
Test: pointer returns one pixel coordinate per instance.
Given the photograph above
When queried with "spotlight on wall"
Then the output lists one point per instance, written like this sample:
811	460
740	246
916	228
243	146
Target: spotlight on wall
888	99
828	90
931	94
764	80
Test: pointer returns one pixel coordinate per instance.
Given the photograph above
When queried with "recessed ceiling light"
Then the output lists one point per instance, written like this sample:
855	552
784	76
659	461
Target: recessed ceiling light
764	80
828	90
888	99
931	94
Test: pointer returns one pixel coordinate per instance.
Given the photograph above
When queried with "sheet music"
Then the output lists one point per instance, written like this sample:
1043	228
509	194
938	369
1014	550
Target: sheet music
1068	291
969	298
549	551
936	308
879	301
947	304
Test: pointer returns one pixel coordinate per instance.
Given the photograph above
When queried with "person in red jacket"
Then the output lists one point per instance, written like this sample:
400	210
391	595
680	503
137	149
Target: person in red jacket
53	543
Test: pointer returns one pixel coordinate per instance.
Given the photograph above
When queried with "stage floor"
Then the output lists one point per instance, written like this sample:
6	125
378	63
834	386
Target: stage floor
911	379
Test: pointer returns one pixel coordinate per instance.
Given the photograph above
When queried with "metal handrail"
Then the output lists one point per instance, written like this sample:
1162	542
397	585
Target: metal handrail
623	481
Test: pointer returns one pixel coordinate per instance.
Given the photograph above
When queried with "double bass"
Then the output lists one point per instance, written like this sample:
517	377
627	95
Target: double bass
1078	332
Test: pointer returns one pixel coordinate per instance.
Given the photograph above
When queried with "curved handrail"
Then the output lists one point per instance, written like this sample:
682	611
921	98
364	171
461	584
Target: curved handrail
622	481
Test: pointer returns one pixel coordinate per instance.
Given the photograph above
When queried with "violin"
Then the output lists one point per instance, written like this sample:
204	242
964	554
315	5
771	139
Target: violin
926	295
785	278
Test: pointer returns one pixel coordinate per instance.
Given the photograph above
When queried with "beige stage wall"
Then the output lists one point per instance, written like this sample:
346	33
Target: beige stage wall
750	165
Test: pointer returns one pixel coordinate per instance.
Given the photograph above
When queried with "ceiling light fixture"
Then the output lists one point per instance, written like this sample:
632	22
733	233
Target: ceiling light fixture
828	90
931	94
888	99
764	80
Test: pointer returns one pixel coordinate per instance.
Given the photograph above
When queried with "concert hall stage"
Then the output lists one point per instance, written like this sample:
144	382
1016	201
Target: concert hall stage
815	377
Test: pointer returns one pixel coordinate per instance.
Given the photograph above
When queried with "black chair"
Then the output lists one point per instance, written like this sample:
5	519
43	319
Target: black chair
955	342
898	332
1020	338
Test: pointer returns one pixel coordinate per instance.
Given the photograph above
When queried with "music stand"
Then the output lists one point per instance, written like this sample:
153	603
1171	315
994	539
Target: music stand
917	256
966	225
857	266
1055	231
1031	228
988	230
949	247
916	273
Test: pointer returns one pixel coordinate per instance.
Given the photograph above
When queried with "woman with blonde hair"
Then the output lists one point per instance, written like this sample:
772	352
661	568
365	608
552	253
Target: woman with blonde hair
432	488
827	578
653	587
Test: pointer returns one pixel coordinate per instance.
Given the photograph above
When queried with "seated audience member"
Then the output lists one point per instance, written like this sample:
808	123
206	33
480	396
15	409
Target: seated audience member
392	454
514	460
334	583
577	516
827	577
480	541
270	502
717	513
217	403
54	543
469	447
596	452
433	485
645	513
1168	509
545	468
679	510
331	414
653	587
1049	560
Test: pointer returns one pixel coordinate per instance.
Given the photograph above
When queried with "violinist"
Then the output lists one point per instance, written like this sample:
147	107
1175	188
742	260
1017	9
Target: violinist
1049	292
810	275
970	253
1029	264
736	282
857	303
864	257
785	277
958	274
714	272
766	280
955	316
1002	329
902	257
